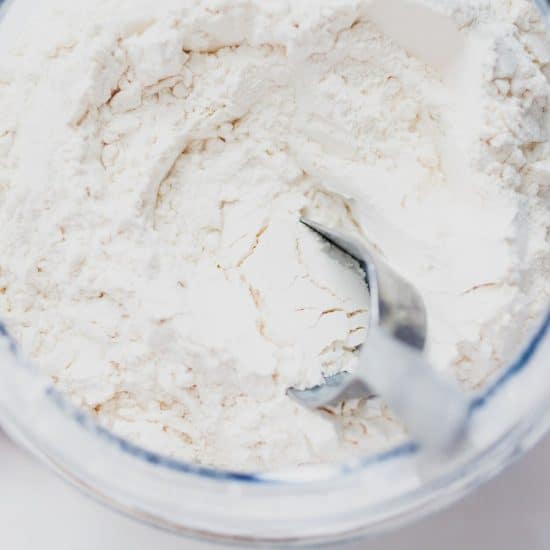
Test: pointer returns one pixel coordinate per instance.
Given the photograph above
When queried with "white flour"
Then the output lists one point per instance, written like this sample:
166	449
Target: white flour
155	158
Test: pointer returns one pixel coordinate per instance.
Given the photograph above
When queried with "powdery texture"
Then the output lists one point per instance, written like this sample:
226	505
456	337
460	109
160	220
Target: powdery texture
155	159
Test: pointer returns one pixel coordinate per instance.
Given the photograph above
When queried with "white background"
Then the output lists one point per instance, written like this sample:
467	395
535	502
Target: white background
38	511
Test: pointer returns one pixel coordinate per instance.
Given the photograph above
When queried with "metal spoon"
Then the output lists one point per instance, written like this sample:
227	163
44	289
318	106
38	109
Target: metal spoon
391	362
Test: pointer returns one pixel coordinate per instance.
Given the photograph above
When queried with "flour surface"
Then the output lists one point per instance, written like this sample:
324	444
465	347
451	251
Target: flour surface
155	158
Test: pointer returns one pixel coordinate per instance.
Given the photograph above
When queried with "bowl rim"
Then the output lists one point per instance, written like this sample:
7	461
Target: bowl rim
286	476
389	513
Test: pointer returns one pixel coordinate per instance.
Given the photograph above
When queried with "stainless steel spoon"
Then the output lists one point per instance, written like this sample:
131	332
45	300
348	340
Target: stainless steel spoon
391	362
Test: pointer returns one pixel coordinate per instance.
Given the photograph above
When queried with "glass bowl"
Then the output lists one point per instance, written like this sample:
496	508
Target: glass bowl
304	506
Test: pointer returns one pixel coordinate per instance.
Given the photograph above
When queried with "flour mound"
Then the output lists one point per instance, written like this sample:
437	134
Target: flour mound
155	159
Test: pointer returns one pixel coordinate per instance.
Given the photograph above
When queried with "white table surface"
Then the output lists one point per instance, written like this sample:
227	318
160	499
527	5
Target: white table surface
38	511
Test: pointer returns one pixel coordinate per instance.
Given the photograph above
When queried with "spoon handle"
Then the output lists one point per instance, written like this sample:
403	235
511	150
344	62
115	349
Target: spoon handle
433	408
